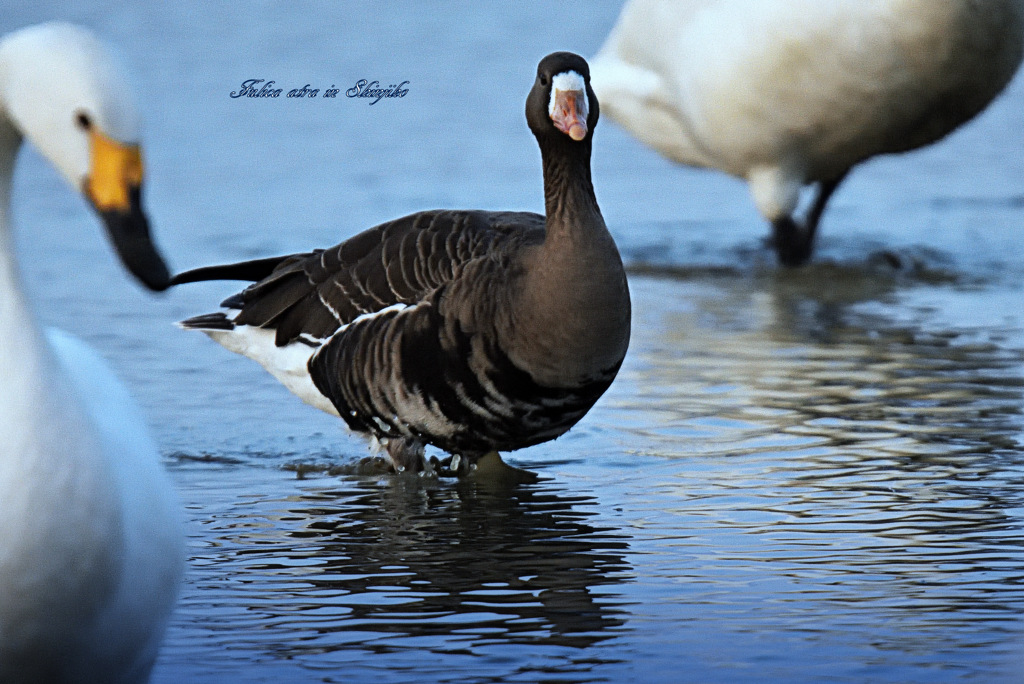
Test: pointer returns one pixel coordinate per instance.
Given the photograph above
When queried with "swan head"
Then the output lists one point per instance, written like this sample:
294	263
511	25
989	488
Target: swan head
68	94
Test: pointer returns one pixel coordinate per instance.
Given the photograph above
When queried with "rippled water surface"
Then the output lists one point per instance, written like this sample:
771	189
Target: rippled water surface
798	476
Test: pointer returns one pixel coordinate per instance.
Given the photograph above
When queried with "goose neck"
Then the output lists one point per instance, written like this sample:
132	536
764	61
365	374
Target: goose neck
568	188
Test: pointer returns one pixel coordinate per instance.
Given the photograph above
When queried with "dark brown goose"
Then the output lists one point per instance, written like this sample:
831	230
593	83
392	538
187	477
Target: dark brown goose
474	331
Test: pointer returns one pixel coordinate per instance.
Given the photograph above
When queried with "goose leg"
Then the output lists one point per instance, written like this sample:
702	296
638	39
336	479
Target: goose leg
491	468
795	243
454	466
486	468
406	455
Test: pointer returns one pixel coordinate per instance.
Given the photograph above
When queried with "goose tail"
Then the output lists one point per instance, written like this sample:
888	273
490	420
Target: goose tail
251	271
212	321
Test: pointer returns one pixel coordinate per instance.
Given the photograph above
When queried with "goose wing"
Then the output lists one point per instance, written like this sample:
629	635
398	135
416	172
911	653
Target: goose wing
308	297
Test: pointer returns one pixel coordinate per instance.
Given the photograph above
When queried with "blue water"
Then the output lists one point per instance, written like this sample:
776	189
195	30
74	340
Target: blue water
798	476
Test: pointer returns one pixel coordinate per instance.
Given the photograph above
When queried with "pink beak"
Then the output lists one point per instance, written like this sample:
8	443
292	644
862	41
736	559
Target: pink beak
570	115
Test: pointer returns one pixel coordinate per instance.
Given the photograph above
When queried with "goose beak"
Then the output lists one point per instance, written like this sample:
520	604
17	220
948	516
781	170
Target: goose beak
114	188
570	113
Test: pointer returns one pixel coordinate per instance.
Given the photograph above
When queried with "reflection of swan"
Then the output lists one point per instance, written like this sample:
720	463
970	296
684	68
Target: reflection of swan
803	364
783	93
90	545
830	440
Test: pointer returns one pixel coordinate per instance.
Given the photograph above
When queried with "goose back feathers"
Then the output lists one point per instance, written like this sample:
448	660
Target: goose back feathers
474	331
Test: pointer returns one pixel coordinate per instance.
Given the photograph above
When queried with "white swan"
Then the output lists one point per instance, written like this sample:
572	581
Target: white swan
91	544
785	93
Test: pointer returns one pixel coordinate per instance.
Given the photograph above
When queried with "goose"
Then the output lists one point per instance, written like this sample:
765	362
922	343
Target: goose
91	545
786	94
473	331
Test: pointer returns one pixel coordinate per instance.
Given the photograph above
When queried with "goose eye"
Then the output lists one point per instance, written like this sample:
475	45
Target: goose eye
544	80
83	121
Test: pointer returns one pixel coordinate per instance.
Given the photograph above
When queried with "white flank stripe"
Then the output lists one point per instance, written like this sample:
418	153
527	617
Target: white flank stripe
289	364
367	316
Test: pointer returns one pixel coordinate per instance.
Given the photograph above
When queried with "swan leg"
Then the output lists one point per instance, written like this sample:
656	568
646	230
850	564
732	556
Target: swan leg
791	243
794	243
825	190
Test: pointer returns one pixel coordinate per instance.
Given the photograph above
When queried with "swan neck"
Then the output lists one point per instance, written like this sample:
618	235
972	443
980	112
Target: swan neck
13	307
10	141
26	364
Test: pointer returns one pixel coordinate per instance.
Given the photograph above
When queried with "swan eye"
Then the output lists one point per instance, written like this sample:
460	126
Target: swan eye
83	121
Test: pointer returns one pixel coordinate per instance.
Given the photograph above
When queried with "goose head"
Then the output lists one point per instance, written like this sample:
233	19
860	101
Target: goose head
561	104
69	95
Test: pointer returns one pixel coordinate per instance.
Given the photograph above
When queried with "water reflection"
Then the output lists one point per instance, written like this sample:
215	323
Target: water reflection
523	563
788	464
406	566
850	451
818	356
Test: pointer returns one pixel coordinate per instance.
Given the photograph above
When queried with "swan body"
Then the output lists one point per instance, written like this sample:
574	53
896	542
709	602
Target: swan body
91	545
787	93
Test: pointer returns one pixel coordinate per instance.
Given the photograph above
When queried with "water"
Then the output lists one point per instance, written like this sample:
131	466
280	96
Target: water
802	477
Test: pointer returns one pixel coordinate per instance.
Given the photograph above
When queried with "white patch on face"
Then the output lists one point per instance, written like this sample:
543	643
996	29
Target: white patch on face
567	80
